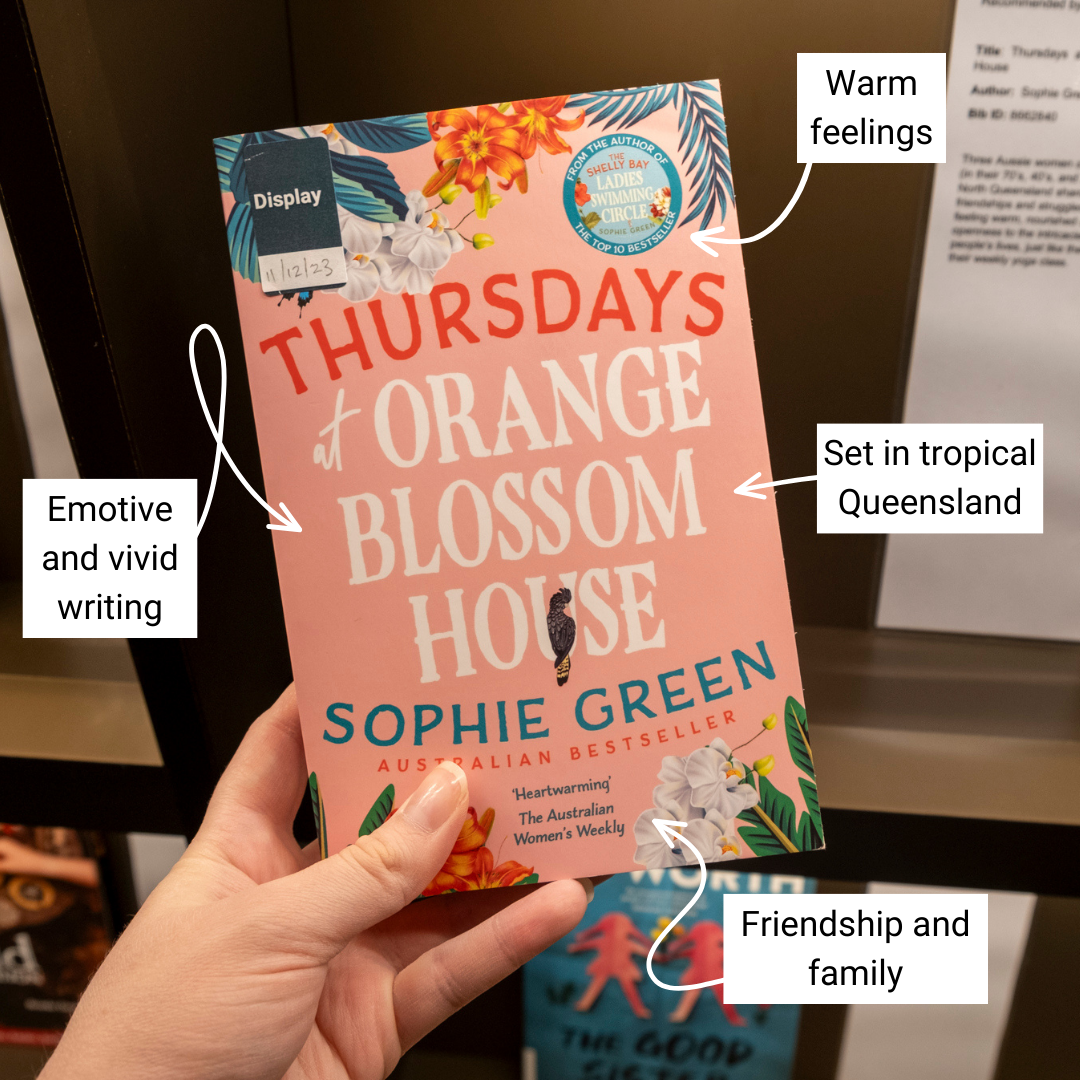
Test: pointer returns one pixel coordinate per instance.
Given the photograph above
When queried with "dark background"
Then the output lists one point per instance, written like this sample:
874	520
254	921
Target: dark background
108	184
132	256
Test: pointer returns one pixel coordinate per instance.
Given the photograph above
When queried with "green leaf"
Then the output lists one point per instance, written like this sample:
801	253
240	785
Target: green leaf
532	879
798	736
779	808
809	790
591	220
759	839
379	812
810	794
320	813
809	837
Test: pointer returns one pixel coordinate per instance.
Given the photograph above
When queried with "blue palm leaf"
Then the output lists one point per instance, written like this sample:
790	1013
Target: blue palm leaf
243	253
225	154
388	134
616	110
711	166
379	196
358	200
622	107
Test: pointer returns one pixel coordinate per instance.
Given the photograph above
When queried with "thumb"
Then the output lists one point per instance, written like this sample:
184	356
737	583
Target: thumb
320	909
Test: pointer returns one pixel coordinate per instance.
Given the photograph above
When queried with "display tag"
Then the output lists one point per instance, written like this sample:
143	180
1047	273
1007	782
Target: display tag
295	215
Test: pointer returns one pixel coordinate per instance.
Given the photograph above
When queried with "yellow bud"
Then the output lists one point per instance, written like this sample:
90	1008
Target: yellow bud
769	722
764	766
449	193
663	921
494	199
503	106
482	240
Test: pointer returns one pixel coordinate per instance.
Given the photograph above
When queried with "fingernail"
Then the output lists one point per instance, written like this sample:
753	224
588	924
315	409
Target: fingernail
587	885
436	798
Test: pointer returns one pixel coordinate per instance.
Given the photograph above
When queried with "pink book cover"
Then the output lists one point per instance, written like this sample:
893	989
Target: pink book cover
508	401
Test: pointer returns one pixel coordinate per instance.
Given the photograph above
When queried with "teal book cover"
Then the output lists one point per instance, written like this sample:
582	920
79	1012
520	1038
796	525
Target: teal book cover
592	1013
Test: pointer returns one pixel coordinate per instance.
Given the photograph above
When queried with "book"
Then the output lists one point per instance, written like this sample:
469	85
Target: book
53	932
590	1010
508	402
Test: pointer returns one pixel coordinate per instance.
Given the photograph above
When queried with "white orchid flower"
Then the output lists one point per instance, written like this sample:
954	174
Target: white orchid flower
361	279
710	836
674	791
420	245
652	851
332	136
398	273
361	239
424	236
716	780
360	236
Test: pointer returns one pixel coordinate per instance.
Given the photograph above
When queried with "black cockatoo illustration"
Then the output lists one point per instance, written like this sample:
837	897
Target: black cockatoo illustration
561	632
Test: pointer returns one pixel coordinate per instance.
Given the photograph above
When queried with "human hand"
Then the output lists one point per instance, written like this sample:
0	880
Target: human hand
18	858
253	959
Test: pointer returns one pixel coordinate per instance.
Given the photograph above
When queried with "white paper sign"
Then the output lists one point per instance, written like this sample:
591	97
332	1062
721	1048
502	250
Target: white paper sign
998	329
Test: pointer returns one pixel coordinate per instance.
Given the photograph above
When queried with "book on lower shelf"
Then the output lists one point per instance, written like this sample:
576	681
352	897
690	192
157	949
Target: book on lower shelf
590	1010
506	402
53	932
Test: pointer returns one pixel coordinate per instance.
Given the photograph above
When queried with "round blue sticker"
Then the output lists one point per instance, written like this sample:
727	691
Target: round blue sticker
622	194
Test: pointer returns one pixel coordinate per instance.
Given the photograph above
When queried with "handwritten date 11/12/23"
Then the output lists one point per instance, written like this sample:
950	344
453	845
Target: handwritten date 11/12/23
292	270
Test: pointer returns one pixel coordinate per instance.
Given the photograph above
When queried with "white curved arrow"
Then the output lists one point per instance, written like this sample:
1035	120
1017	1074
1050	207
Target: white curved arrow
285	517
708	236
667	830
749	488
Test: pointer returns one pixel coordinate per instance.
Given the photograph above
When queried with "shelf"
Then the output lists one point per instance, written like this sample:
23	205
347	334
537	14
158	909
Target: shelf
942	724
76	744
954	852
71	700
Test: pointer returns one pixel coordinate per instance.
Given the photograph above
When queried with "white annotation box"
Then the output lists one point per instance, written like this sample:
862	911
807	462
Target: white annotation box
930	478
856	949
110	559
870	107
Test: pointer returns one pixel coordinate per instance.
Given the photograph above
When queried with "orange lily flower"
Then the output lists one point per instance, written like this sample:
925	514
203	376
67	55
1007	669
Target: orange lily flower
471	865
539	123
507	873
474	831
485	142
